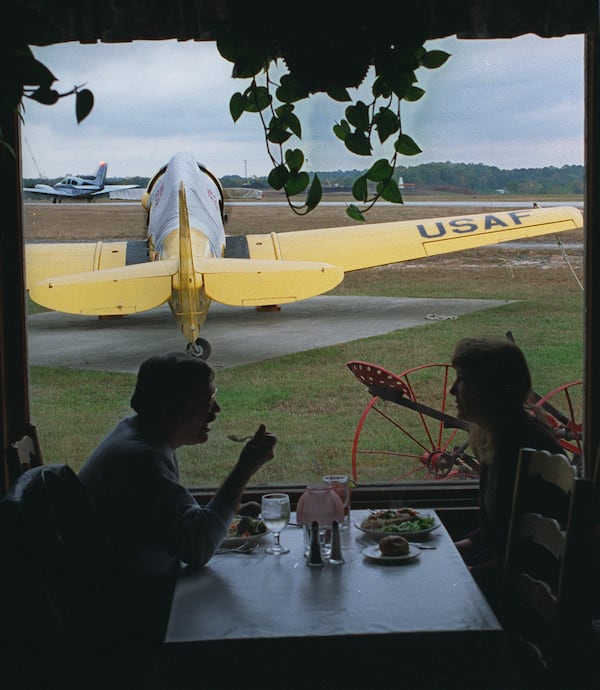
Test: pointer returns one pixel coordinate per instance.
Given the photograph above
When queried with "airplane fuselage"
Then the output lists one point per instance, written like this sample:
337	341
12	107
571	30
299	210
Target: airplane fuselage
204	236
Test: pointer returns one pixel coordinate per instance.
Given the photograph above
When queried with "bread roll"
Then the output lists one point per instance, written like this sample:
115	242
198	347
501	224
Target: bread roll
394	545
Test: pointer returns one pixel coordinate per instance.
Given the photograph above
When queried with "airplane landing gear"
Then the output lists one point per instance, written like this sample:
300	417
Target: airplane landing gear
199	348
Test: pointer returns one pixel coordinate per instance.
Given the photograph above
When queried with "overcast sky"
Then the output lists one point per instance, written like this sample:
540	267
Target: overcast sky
510	103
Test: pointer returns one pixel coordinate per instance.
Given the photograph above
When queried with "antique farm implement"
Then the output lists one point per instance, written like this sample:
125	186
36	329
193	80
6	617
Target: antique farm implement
406	430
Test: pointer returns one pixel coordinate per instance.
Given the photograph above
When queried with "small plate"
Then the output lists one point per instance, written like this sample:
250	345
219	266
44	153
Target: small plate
373	553
233	542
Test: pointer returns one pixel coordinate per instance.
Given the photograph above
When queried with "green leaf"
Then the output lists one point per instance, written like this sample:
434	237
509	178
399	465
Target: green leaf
413	93
284	110
419	52
338	93
315	193
84	102
294	125
297	183
290	90
433	59
400	81
389	191
358	143
340	132
380	170
44	95
257	98
360	189
249	65
278	177
276	133
381	88
236	106
406	146
354	213
289	120
386	123
358	116
294	159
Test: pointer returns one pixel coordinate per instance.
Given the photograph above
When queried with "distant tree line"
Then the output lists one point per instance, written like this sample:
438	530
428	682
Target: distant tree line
485	179
459	178
429	178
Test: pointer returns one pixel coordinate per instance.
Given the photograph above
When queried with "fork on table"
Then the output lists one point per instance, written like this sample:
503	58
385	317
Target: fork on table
246	547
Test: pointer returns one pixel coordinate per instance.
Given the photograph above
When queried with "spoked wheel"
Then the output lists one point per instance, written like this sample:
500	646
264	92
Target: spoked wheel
562	409
399	442
200	348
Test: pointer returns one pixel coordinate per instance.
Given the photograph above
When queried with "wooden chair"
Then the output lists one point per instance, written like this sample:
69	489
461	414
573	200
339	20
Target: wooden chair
547	583
66	623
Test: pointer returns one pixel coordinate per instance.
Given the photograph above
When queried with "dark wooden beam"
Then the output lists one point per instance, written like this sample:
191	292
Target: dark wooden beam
14	381
592	254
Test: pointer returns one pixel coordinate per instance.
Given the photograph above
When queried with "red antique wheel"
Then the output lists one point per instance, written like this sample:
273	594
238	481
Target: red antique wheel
562	408
414	438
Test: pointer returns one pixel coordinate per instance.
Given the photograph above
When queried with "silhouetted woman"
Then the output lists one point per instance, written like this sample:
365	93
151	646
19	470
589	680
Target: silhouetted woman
492	387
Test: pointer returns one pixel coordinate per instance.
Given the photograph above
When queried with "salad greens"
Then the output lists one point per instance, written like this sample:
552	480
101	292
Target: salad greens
245	526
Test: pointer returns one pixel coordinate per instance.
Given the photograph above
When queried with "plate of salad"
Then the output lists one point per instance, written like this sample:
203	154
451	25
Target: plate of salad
408	522
244	529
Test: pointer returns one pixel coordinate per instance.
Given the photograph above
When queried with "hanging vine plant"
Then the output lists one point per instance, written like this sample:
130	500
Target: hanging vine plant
28	78
325	50
319	62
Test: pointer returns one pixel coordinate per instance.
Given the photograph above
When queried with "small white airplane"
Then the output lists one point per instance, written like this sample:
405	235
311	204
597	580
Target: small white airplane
188	261
74	186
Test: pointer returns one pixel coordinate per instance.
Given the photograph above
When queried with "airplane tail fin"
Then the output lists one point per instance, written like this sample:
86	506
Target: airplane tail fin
101	174
186	302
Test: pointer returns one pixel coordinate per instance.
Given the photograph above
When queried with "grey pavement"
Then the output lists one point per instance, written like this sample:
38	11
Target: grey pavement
238	335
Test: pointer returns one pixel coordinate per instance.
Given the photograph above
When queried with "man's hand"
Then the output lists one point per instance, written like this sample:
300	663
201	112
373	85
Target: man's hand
257	451
254	455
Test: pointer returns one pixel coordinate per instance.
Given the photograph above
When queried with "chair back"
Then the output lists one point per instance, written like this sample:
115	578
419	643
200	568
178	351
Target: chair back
547	569
63	608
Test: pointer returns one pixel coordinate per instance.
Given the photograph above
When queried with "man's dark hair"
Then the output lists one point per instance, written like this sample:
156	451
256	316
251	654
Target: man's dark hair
166	382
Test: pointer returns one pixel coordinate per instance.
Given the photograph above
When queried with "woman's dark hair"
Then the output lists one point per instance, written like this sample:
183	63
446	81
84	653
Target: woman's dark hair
166	382
497	369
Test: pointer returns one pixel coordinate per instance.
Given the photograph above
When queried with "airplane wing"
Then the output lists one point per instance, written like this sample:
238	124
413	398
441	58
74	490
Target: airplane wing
46	189
117	278
243	282
108	188
134	194
364	246
108	292
45	260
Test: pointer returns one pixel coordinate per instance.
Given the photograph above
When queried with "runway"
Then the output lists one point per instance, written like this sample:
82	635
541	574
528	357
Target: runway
237	335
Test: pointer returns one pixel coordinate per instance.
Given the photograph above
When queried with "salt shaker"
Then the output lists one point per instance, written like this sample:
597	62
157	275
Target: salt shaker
314	555
336	557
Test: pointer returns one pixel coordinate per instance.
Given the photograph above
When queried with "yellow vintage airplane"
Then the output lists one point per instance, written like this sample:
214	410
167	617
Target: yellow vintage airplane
188	261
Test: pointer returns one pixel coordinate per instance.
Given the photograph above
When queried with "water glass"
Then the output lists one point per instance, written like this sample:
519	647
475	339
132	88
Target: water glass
340	483
275	513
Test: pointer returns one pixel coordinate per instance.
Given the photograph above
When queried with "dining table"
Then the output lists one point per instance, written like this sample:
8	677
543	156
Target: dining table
272	621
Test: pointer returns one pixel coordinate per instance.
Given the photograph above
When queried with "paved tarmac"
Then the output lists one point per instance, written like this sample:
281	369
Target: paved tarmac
238	335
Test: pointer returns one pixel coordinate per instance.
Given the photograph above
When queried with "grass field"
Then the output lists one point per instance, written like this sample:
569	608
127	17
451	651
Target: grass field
310	400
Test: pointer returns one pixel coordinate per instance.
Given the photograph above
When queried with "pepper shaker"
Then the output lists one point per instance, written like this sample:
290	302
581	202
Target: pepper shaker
336	557
314	555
